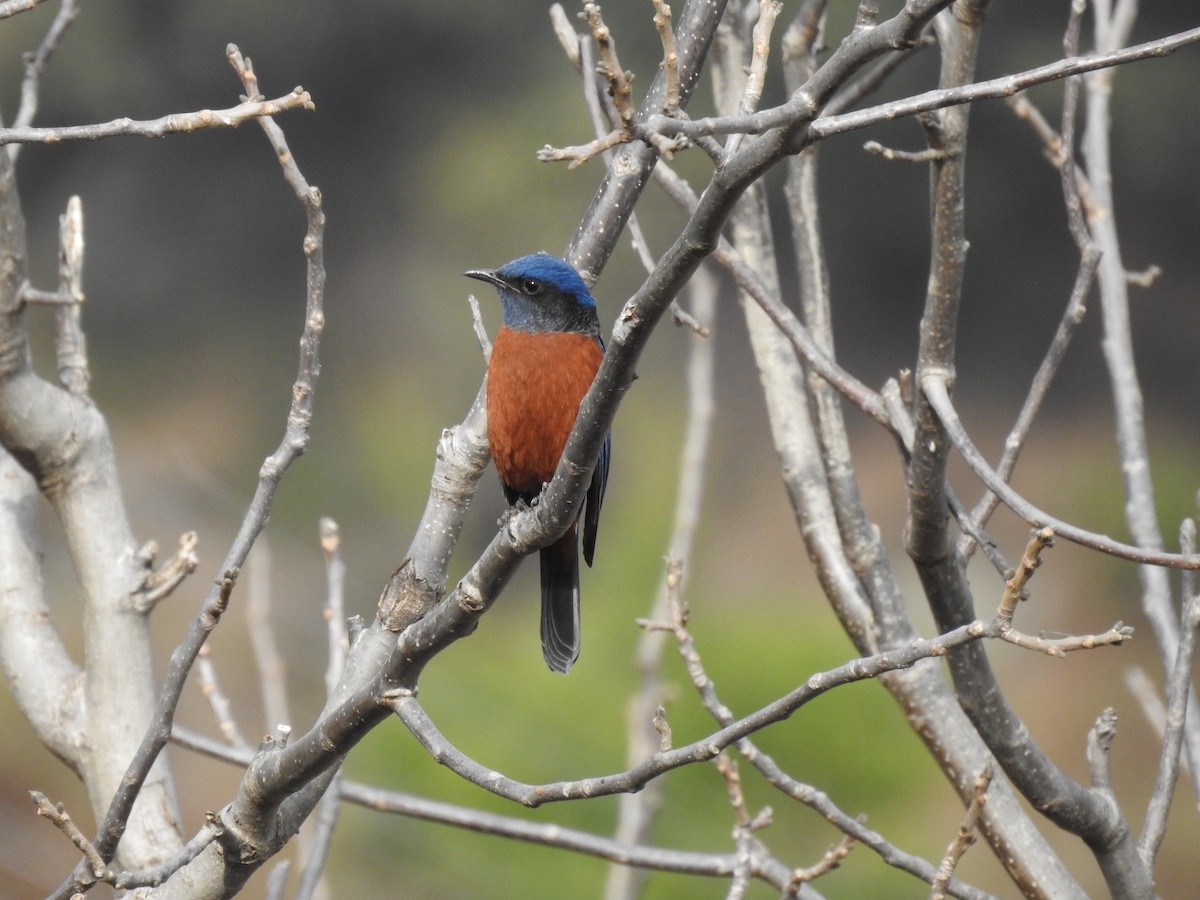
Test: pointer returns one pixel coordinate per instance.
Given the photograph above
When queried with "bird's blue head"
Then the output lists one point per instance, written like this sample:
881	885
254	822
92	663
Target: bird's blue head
541	292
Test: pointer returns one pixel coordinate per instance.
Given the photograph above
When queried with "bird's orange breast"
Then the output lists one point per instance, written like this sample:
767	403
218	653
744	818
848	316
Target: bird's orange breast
535	383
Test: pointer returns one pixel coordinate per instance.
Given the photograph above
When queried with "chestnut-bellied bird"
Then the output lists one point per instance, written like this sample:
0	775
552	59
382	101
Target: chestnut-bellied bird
543	361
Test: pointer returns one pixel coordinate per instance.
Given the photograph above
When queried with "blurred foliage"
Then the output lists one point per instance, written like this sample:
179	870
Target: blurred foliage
428	117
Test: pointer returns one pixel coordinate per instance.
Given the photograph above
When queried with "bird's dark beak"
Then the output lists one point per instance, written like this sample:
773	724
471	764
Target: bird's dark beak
488	275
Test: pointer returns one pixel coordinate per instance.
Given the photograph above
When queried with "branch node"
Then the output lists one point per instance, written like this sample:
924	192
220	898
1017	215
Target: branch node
61	819
159	585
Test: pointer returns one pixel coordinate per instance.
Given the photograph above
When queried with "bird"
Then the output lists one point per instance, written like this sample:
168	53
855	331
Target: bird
543	360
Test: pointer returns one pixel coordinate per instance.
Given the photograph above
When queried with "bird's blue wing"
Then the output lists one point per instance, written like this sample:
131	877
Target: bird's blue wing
595	494
594	499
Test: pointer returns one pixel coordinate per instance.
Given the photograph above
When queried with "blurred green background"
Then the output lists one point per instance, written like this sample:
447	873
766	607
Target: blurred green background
423	140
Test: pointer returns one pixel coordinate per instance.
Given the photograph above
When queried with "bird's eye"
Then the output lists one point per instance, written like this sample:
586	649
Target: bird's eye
531	286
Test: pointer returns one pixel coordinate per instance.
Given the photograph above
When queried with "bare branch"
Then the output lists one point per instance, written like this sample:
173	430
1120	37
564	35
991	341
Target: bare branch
756	72
1014	587
217	700
935	389
1178	693
158	585
929	154
285	779
760	44
748	280
636	812
58	815
798	109
831	860
965	837
610	67
1111	27
272	670
13	7
926	538
335	601
1014	592
628	174
1060	149
157	875
418	722
317	851
1100	739
176	123
35	64
565	32
670	63
853	828
576	156
549	834
743	873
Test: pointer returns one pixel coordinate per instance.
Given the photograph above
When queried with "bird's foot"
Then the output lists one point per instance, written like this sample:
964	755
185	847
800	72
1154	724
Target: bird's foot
512	511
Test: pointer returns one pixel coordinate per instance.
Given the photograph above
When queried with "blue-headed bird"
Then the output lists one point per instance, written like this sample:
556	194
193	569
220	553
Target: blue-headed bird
543	361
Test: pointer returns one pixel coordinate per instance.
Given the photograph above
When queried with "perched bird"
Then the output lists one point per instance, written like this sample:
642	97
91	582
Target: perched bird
544	359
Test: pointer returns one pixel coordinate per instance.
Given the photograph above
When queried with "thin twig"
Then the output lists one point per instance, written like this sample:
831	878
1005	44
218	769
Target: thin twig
276	887
176	123
404	704
965	837
929	154
747	279
636	812
1112	24
799	108
35	64
934	387
481	335
831	860
610	67
58	815
1014	586
743	872
621	96
13	7
670	60
1060	149
335	601
1178	692
317	853
578	155
756	72
817	800
217	701
565	32
157	875
602	116
272	670
874	77
545	833
158	585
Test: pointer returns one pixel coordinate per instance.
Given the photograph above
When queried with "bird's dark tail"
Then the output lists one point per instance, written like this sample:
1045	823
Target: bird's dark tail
560	603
